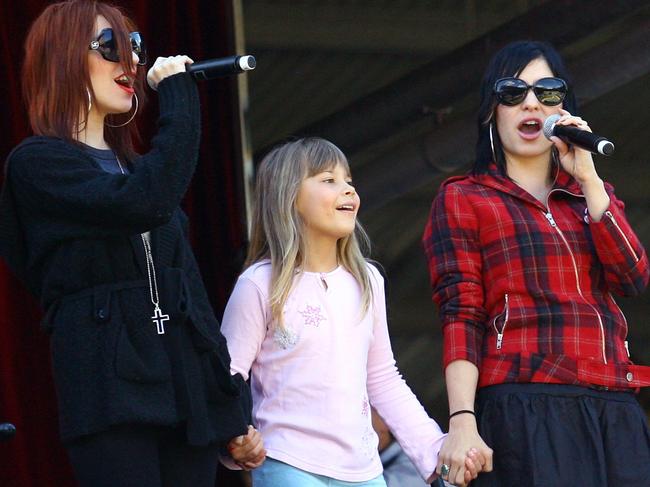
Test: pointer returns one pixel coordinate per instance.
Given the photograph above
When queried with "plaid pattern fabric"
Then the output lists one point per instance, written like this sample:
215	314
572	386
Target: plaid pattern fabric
526	292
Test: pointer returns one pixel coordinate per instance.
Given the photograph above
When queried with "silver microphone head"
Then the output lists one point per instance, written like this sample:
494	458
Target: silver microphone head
549	123
246	63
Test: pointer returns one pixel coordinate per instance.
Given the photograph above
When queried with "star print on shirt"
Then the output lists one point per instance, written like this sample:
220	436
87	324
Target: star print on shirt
312	315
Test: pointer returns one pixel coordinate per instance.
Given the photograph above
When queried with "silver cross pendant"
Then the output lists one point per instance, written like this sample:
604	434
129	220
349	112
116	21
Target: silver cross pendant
158	319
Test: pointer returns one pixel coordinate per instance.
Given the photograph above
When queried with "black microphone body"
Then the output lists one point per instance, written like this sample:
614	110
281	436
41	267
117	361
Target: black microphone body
214	68
578	137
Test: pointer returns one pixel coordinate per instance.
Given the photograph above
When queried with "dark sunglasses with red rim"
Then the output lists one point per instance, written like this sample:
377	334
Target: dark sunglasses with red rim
106	45
512	91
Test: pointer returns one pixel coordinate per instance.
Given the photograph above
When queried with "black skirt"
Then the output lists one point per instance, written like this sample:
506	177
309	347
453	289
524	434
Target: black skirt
554	435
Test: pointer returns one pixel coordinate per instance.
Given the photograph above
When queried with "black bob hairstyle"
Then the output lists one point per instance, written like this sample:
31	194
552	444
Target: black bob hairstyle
510	61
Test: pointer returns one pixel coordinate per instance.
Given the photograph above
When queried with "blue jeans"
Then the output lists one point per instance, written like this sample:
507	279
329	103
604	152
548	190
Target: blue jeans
273	473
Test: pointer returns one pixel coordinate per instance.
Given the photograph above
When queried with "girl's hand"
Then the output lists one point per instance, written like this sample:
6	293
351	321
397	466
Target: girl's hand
576	161
474	463
248	451
464	451
165	67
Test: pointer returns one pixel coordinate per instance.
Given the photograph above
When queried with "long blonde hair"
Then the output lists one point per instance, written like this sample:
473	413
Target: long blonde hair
277	229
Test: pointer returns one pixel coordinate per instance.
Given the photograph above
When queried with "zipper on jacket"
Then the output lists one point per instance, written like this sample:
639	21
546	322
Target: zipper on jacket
505	311
627	345
551	220
627	242
607	213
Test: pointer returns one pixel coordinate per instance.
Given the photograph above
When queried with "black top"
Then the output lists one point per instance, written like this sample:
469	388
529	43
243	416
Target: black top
71	232
106	159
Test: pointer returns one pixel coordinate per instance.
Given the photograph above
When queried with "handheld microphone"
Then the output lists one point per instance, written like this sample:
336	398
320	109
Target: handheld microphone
578	137
213	68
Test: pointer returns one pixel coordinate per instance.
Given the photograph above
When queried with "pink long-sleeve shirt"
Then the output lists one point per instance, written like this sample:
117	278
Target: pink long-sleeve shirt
313	383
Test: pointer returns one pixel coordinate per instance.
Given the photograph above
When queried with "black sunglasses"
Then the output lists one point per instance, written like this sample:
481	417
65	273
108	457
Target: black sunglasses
107	47
512	91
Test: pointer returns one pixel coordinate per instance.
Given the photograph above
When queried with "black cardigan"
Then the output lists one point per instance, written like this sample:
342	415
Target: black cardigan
71	232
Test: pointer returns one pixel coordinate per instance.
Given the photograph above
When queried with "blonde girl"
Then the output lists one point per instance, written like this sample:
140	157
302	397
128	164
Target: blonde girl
307	323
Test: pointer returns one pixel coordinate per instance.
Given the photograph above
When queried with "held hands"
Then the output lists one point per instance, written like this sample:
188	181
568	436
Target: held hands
165	67
577	162
464	452
248	451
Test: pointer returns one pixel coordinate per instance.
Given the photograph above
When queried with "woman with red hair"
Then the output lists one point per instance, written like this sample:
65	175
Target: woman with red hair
95	231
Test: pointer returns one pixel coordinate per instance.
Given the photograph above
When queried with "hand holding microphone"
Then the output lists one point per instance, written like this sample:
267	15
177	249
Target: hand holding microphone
567	131
202	70
164	67
577	136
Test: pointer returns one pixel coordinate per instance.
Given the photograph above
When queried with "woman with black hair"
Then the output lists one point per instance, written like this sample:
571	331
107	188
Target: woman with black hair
525	255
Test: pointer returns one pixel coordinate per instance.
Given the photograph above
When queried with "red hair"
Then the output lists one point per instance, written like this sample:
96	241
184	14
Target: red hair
55	78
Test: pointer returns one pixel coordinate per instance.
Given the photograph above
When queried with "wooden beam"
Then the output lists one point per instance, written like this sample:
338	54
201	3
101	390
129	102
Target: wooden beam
367	27
449	77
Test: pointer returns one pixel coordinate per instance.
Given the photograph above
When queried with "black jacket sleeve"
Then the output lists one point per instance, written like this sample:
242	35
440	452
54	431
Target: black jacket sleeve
66	184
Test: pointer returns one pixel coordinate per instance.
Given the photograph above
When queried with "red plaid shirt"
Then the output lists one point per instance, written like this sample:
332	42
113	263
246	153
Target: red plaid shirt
526	292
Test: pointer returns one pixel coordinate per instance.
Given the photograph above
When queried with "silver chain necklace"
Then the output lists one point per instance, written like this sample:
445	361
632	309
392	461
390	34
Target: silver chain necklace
158	317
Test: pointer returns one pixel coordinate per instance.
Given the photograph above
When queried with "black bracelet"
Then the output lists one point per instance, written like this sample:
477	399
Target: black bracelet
462	411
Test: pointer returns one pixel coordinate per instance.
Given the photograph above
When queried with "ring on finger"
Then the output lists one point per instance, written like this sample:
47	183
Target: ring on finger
444	470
